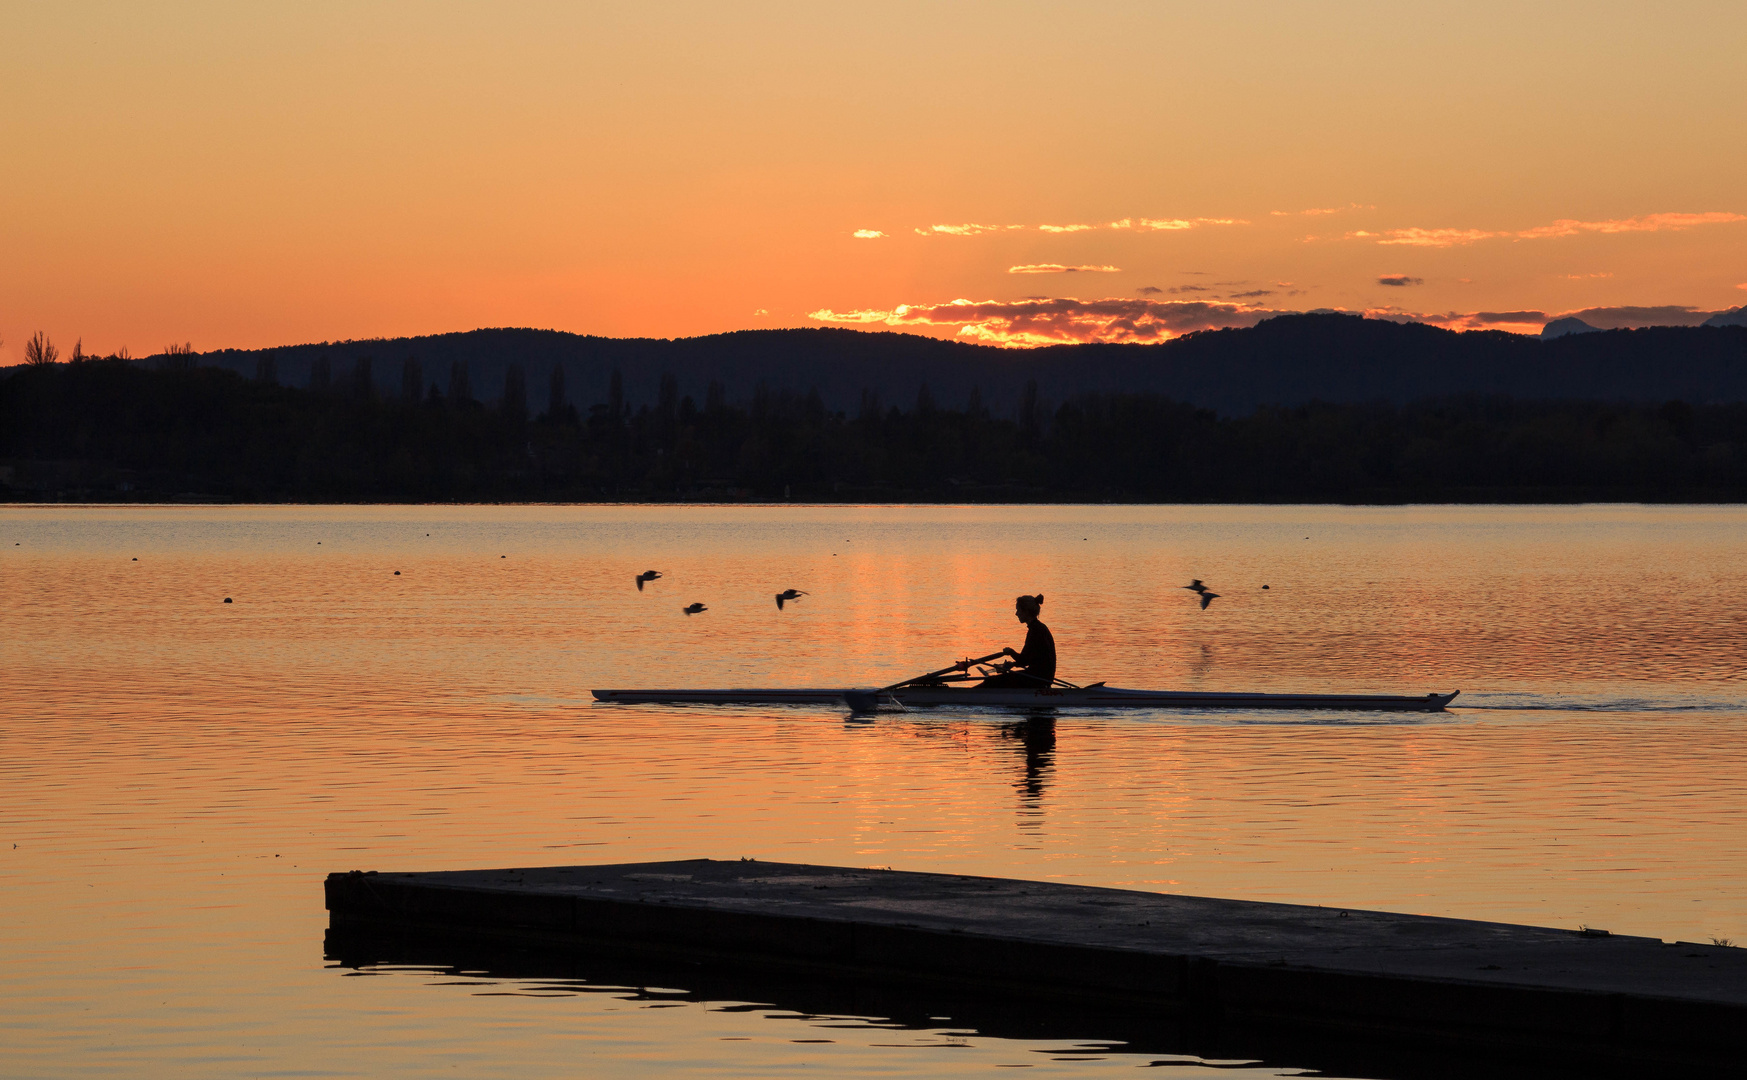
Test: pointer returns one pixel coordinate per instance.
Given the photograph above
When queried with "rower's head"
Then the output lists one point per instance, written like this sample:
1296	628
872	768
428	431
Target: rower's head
1027	608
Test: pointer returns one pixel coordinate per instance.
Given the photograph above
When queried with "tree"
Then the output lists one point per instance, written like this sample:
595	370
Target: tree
177	357
1031	413
515	393
267	370
460	389
363	384
555	392
667	396
39	351
412	380
79	354
321	374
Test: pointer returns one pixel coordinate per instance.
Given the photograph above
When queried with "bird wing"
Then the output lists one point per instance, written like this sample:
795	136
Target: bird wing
779	601
639	582
1208	598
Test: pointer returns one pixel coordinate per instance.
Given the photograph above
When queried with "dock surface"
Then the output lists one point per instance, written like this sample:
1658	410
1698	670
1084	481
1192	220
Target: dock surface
1232	962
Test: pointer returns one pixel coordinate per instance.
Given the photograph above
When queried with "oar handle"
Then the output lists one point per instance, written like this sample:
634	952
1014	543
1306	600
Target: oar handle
966	665
962	665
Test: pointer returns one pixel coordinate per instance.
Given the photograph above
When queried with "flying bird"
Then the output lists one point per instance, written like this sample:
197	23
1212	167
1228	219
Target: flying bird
693	609
647	575
787	595
1202	591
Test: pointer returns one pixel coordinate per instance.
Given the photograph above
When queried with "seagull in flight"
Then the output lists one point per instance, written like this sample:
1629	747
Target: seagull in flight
787	595
647	575
693	609
1207	596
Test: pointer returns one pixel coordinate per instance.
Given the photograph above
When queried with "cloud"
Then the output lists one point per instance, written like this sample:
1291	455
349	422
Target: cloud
1493	318
1154	290
1318	211
968	229
858	315
1622	318
1520	322
1058	268
1058	321
1170	224
1743	285
1253	294
1399	280
1037	321
1647	223
868	234
1426	237
1584	277
1603	318
1189	288
1417	237
1125	225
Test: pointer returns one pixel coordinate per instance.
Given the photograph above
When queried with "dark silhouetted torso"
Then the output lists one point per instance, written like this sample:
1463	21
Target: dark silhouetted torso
1038	655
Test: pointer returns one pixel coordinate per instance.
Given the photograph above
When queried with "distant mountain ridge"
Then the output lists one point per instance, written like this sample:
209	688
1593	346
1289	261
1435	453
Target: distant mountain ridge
1570	325
1289	360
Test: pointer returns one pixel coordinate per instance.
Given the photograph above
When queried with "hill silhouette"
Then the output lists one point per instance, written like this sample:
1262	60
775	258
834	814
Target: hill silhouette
1286	361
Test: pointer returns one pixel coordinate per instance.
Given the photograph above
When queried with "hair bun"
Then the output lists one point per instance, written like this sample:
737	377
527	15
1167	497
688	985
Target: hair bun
1039	598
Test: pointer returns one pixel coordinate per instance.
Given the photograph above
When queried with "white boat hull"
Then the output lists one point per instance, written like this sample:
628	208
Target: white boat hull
1092	697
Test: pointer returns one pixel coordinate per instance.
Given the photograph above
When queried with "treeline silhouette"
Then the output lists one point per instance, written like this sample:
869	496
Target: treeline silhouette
107	430
1287	360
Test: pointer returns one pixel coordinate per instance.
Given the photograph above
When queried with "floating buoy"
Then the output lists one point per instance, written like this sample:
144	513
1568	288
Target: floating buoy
136	558
397	574
1264	586
227	599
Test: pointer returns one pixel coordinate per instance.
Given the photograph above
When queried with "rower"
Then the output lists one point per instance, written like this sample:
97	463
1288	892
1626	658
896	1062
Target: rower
1033	665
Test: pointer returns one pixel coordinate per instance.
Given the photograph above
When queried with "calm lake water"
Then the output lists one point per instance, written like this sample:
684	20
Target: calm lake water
178	774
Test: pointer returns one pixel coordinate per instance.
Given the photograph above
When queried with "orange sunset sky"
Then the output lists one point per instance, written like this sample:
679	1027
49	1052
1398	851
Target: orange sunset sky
269	173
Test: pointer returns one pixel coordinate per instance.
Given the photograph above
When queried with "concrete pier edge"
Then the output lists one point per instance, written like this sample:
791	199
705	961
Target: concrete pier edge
1365	974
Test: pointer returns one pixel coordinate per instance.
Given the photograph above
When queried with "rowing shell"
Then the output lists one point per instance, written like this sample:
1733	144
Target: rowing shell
1093	697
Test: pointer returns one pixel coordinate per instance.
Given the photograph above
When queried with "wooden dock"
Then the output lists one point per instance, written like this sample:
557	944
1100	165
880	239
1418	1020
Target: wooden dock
1604	1004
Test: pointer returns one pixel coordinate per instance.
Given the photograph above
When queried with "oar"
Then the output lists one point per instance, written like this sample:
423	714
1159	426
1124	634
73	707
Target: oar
962	665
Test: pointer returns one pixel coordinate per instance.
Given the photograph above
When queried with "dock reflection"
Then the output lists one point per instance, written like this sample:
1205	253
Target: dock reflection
1155	1035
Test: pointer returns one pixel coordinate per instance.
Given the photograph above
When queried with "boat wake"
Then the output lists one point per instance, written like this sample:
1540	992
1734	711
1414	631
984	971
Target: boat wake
1505	701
